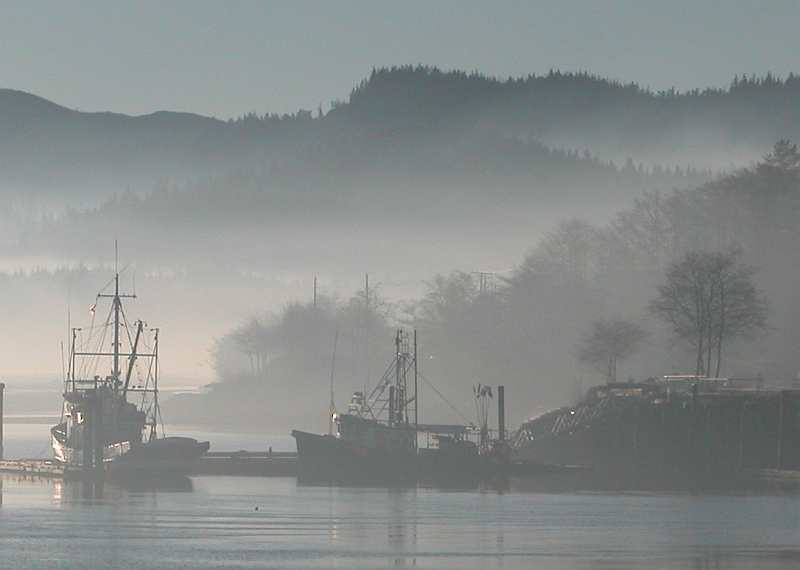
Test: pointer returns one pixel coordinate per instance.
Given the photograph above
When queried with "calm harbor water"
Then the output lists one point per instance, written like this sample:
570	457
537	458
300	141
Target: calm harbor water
230	522
240	522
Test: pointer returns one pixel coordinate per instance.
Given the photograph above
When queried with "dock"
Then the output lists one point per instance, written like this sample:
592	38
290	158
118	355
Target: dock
248	463
37	467
220	463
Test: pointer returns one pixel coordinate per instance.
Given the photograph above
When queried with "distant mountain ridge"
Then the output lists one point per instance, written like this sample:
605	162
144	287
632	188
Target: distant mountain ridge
388	119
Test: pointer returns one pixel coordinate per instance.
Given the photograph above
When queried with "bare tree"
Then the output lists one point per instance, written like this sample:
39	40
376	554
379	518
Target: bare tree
608	342
709	298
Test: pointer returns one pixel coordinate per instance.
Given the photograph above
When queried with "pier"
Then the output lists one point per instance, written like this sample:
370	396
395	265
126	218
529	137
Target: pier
248	463
220	463
37	467
2	419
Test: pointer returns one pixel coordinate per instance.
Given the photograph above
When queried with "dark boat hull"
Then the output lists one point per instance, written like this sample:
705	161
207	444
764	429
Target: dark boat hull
166	457
327	459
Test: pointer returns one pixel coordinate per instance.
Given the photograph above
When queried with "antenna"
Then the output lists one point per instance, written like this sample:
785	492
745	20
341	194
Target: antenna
63	366
485	281
332	408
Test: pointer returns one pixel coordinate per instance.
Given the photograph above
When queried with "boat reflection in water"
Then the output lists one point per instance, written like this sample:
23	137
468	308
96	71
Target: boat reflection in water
114	491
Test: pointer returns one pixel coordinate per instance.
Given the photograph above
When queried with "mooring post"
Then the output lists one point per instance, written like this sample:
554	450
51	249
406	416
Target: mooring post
87	439
742	410
2	389
781	420
98	435
501	413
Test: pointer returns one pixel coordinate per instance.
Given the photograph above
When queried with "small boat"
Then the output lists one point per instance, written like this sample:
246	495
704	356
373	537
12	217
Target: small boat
110	423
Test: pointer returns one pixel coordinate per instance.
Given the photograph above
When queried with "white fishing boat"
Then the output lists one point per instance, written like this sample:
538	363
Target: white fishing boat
111	419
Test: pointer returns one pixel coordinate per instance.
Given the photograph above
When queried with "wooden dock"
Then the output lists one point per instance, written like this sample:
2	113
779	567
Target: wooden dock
37	467
247	463
236	463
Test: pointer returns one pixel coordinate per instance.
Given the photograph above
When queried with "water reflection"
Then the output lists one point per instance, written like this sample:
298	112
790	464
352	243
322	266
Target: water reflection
213	522
115	491
401	527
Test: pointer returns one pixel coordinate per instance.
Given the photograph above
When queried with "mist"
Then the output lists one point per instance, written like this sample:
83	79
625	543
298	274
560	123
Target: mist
571	193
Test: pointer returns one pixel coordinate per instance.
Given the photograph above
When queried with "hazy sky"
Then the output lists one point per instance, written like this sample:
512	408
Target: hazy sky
225	58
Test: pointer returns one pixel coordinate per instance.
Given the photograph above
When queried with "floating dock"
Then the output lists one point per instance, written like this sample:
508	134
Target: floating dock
232	463
38	467
247	463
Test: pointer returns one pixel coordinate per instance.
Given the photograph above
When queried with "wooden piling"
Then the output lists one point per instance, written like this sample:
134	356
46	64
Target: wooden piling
2	389
501	413
782	399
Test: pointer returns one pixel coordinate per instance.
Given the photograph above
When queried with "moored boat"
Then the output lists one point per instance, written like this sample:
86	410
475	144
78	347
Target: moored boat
377	440
112	423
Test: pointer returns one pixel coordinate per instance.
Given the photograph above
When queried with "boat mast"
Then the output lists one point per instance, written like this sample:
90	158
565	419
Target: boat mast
332	406
416	375
72	357
398	367
115	370
132	358
116	301
156	409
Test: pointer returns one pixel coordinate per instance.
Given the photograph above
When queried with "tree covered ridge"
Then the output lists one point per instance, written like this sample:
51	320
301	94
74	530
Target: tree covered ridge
529	328
47	144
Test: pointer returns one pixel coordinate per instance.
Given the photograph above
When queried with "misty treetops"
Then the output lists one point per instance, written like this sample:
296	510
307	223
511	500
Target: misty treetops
706	261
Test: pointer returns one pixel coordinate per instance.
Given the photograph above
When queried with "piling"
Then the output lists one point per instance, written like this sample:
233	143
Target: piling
2	389
782	401
87	440
501	413
98	435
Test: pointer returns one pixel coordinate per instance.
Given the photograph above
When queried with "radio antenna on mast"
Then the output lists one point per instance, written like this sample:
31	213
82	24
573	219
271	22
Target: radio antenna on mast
332	408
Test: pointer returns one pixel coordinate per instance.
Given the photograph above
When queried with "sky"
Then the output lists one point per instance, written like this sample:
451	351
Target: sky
226	58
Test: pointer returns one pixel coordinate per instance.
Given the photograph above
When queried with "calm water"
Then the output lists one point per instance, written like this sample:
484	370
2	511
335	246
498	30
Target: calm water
212	522
240	522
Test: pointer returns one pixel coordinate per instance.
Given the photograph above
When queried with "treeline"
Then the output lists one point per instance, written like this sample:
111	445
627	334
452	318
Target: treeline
393	114
406	184
524	328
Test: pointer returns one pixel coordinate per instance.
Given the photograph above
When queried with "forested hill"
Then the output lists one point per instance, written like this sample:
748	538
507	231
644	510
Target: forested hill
417	117
46	147
709	128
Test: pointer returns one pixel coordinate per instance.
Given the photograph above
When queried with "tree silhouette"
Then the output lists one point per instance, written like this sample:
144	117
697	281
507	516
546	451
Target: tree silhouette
709	298
609	342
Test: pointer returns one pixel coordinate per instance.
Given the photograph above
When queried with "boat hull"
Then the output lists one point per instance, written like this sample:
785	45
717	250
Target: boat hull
165	457
327	459
169	456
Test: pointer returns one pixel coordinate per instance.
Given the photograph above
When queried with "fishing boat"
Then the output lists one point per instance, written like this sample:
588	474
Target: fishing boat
378	440
110	418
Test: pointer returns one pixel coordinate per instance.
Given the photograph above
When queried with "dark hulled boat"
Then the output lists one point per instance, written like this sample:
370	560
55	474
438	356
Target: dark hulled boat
363	451
376	441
